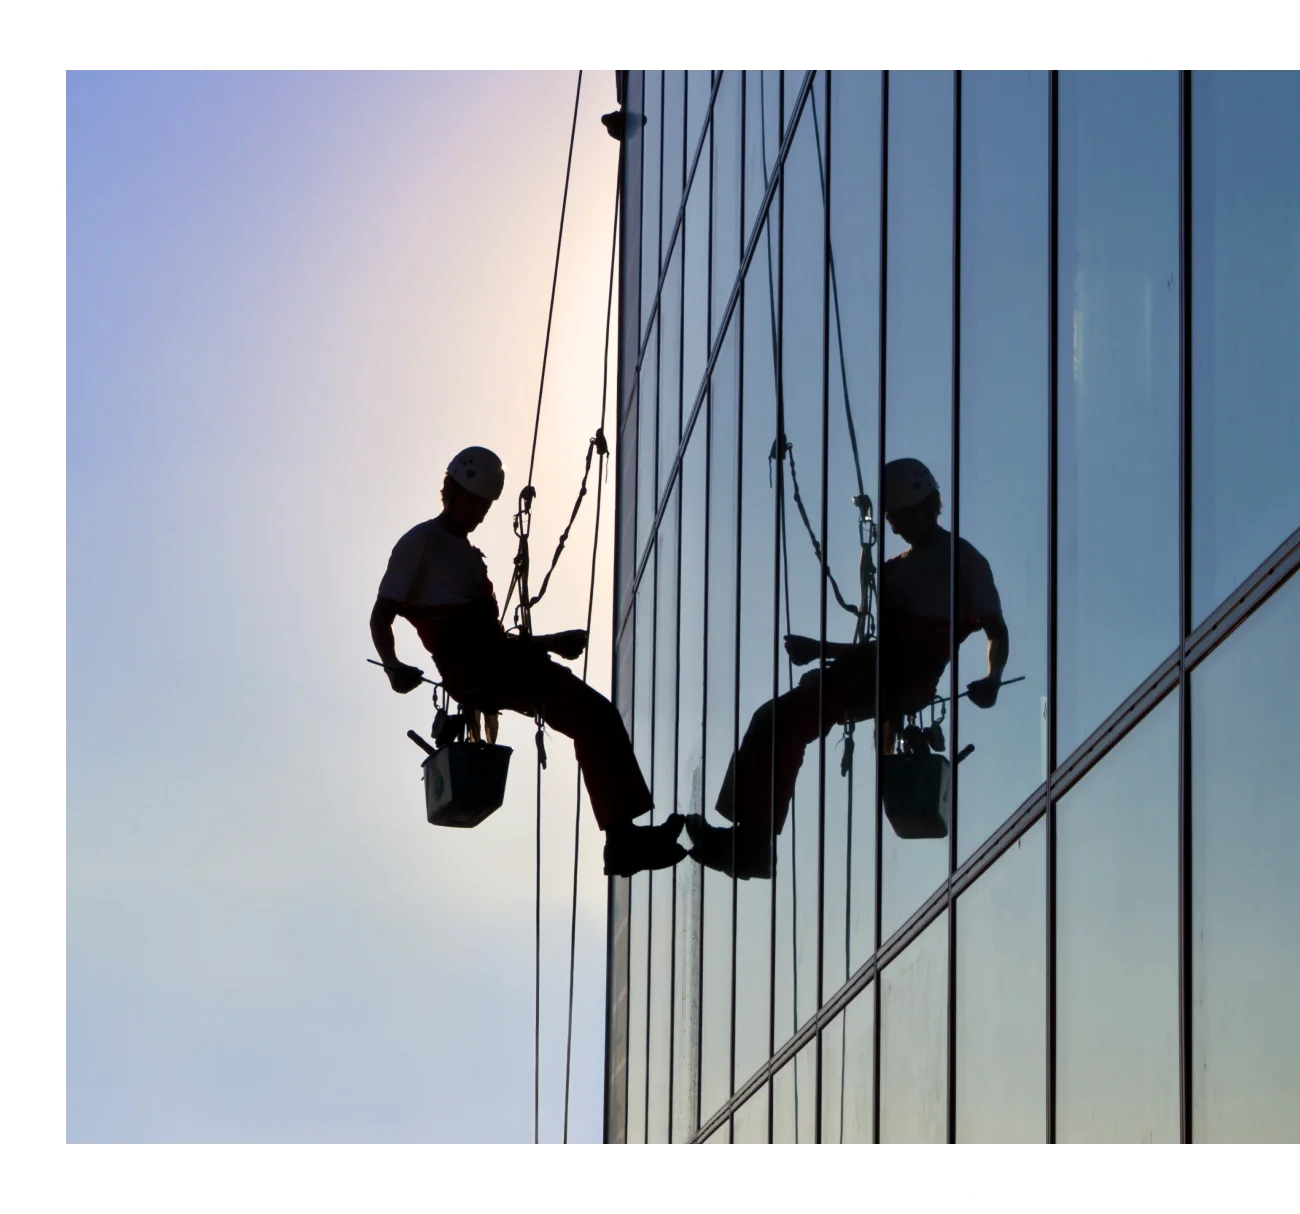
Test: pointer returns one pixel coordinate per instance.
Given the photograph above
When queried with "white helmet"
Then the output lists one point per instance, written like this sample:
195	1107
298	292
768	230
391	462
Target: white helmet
480	471
907	482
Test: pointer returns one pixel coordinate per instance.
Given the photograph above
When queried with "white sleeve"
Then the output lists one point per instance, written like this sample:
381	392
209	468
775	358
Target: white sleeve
403	564
980	588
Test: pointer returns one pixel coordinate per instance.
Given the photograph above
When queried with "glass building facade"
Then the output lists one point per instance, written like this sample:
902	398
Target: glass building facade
1076	298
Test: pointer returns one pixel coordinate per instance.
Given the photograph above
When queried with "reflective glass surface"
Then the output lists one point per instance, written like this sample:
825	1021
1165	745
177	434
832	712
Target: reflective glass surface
647	442
1117	420
1117	942
801	253
674	165
663	786
757	669
1003	454
651	167
670	370
726	152
794	1091
1245	322
689	895
699	85
629	267
846	1073
914	1041
642	732
750	1123
695	300
918	386
853	444
720	718
625	453
1245	900
762	140
1001	1081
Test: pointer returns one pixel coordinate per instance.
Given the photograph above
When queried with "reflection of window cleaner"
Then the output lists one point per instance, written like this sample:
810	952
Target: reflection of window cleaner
439	582
914	609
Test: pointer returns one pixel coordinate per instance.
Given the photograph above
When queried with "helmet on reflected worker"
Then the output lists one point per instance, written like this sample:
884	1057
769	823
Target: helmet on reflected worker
907	483
479	471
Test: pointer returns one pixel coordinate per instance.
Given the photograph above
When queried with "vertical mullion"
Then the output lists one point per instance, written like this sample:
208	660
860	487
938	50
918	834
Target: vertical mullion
880	564
1053	309
1184	606
951	1060
821	690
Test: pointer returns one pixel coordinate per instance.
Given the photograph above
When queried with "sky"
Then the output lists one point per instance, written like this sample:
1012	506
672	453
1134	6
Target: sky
290	299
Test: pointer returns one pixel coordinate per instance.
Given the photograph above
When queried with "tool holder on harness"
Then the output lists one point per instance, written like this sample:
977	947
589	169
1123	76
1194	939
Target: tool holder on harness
465	770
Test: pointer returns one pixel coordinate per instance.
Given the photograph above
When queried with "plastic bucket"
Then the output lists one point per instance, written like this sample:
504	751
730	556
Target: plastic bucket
464	782
915	790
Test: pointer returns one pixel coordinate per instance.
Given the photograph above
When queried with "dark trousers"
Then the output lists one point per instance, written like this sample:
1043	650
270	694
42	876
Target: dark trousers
509	672
759	784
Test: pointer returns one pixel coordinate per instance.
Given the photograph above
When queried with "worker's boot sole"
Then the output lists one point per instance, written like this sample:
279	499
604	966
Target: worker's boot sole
639	849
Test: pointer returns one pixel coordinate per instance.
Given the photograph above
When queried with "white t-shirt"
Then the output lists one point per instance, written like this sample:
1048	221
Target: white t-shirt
916	581
431	567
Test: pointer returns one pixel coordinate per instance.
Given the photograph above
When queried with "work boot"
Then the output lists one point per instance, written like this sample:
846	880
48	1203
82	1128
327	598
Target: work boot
729	850
635	849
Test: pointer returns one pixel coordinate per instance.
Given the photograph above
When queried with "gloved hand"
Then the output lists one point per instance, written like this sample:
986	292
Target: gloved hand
802	650
983	693
403	678
567	645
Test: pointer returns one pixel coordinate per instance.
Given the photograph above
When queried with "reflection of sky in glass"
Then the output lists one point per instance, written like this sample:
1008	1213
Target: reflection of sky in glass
914	1041
1117	942
794	1090
1117	461
1002	998
1246	325
1245	910
918	391
846	1072
1003	364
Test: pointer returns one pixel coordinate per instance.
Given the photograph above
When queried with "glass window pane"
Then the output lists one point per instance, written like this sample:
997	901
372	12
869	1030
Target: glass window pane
1245	901
726	192
1004	389
616	1020
762	139
674	163
663	787
846	1073
802	276
750	1122
626	454
1117	422
639	898
690	791
1117	942
1002	998
721	1136
651	168
720	718
918	410
914	1041
695	303
794	1091
1245	321
670	370
852	470
647	438
629	267
699	86
757	671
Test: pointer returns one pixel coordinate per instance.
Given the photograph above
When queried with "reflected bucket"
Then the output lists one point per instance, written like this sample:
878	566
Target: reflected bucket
464	782
915	791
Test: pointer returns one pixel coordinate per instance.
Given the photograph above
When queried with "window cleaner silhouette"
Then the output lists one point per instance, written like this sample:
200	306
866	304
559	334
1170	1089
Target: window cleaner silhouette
439	582
915	599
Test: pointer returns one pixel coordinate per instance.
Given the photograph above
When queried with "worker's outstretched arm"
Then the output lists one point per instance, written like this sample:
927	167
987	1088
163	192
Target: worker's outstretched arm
401	678
984	692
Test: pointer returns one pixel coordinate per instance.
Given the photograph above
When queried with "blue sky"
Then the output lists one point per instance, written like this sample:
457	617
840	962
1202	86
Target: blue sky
291	297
